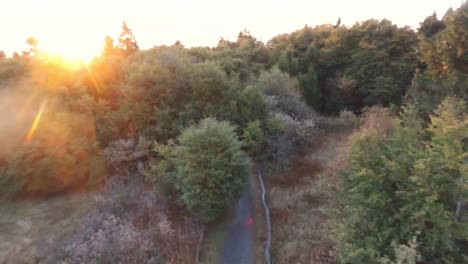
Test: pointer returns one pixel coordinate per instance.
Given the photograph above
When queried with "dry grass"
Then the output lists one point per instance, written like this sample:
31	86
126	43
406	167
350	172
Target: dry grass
300	200
376	120
303	169
130	224
122	222
213	243
24	224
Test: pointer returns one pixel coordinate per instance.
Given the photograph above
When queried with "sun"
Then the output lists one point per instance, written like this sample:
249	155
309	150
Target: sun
71	52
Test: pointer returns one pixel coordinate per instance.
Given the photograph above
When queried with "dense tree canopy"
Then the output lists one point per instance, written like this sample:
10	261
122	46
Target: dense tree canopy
443	60
370	63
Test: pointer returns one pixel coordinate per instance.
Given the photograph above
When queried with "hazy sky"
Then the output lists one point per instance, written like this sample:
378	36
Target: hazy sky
65	26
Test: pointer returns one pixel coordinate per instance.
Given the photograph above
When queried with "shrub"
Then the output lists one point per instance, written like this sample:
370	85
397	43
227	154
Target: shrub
122	150
254	139
108	233
404	254
207	166
273	126
63	155
282	95
294	135
292	124
345	121
404	181
129	223
376	119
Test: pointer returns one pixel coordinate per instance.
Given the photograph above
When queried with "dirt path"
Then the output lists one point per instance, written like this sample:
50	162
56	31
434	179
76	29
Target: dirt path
238	245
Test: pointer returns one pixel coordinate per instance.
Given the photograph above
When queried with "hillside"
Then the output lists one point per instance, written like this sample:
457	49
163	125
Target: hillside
151	155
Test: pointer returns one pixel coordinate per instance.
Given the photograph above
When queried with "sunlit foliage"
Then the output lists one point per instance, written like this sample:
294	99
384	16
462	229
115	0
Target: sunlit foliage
207	166
407	184
443	52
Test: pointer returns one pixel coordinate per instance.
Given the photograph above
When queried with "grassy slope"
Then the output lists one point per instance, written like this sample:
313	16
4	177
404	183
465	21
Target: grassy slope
300	200
25	224
213	243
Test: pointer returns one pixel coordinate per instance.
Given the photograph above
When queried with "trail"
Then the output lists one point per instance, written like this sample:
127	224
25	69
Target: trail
300	198
238	245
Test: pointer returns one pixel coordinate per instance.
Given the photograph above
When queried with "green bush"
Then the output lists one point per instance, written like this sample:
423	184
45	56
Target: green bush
207	167
254	138
407	184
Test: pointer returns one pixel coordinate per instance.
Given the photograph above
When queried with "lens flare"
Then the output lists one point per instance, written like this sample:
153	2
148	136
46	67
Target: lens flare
37	119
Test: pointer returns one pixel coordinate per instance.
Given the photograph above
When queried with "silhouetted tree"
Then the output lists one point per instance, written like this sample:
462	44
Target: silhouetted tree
127	41
32	43
108	46
338	23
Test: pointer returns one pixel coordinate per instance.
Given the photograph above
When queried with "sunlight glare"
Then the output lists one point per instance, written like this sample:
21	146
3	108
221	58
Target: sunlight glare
37	119
73	51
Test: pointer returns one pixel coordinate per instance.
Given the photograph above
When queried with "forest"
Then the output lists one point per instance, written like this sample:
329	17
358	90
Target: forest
168	138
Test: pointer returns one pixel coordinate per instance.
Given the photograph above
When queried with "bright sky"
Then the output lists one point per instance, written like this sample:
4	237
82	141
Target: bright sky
79	26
